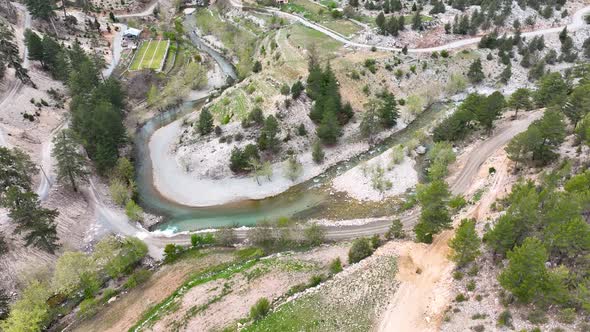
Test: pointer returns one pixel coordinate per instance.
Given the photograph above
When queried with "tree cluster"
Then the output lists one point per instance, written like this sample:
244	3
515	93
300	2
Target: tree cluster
391	26
25	210
97	105
327	110
77	276
546	239
10	55
538	144
381	113
476	111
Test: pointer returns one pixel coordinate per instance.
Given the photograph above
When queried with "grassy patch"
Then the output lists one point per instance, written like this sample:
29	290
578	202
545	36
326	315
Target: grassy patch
305	37
151	54
234	105
408	19
239	41
331	308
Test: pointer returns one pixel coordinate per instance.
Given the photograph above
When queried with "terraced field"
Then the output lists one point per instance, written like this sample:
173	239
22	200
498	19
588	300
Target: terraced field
151	55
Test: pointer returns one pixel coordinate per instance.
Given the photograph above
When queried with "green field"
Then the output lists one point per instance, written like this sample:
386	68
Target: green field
151	55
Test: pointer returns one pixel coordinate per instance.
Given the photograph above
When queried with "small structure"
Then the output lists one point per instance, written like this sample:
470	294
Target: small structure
282	2
132	33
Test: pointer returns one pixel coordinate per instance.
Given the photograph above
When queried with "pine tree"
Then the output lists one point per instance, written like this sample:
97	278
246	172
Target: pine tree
520	100
16	169
34	46
369	122
526	275
578	104
205	125
417	21
380	21
475	73
506	74
392	26
388	112
490	110
268	139
329	129
465	244
434	216
36	222
257	67
70	162
297	89
42	9
551	90
10	55
317	153
293	168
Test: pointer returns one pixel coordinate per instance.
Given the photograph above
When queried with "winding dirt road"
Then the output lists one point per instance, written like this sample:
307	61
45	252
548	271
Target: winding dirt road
577	23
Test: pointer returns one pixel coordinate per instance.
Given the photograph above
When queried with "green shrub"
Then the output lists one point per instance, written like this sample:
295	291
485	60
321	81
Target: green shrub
457	202
172	252
505	319
567	316
285	89
88	308
336	266
396	230
361	248
198	240
316	280
473	271
375	241
537	316
457	275
108	294
478	328
260	309
460	298
137	278
479	316
471	285
133	211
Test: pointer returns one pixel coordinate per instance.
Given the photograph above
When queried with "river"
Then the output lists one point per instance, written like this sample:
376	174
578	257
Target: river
308	199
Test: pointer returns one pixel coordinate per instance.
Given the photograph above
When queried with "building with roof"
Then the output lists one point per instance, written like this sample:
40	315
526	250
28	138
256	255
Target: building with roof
132	33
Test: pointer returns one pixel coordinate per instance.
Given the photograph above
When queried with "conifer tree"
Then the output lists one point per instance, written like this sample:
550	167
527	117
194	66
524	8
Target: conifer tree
475	73
465	244
329	129
70	161
205	125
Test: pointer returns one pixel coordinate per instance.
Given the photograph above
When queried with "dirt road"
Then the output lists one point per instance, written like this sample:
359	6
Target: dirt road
422	298
577	23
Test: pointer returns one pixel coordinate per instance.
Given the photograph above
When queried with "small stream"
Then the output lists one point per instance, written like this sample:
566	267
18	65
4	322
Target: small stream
307	199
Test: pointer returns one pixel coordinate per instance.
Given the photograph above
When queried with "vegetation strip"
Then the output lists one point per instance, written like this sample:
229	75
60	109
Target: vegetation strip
220	272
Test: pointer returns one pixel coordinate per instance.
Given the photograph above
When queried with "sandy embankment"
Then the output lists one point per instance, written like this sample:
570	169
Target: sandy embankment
175	184
358	183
